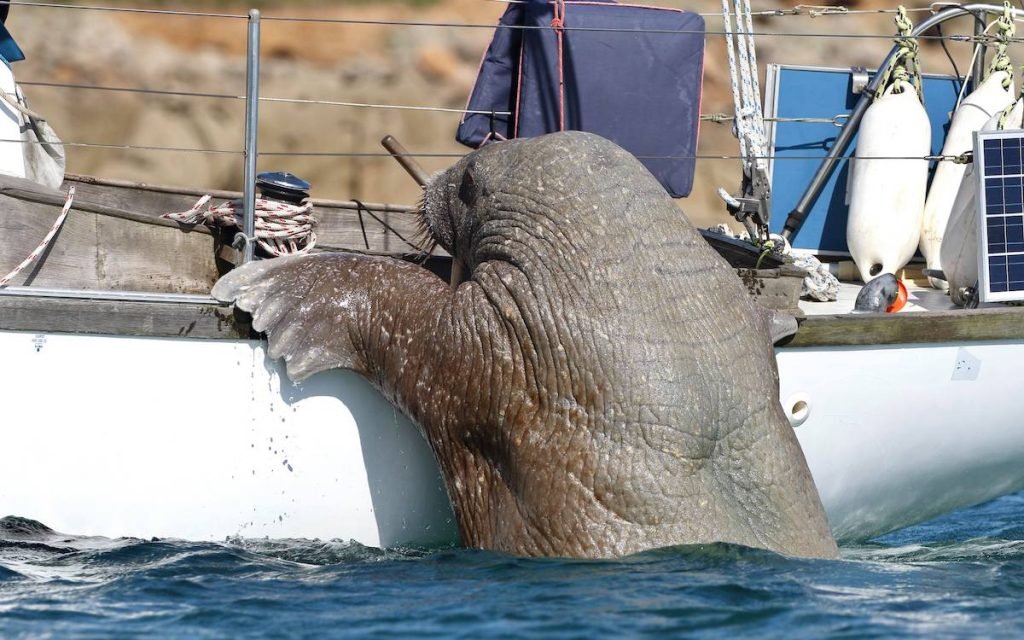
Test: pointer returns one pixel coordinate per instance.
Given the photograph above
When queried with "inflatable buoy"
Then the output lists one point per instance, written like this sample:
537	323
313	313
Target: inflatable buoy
901	298
959	252
888	184
975	110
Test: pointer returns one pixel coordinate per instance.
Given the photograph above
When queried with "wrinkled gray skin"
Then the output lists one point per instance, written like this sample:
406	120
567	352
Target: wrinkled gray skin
600	385
876	296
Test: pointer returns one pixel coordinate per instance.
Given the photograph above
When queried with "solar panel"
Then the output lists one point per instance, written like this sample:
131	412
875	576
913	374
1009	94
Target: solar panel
1000	156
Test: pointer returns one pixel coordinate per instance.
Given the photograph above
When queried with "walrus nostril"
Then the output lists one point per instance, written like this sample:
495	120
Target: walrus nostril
875	269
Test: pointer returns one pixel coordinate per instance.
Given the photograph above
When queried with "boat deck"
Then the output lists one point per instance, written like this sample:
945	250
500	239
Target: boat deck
919	298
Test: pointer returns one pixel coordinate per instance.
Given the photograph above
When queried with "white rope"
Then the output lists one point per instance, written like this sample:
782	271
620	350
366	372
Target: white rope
761	137
746	90
734	81
38	251
281	228
16	104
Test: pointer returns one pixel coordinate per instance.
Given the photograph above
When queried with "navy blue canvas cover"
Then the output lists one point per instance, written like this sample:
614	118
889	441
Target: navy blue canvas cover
496	82
640	89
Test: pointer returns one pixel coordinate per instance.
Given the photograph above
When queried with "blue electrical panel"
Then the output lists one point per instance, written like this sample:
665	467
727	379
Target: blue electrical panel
799	147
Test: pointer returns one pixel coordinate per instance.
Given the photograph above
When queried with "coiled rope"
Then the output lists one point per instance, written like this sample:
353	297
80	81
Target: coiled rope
38	251
281	228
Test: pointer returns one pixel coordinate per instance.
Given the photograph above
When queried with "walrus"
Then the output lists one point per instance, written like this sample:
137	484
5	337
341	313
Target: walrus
600	384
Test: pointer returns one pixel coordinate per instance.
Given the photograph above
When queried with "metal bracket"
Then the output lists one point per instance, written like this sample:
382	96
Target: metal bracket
753	208
970	297
859	79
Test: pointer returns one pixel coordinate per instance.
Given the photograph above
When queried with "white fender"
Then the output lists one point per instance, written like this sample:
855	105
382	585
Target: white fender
971	115
959	252
887	195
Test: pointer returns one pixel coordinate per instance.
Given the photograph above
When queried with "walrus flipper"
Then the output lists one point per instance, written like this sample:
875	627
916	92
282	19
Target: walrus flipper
316	309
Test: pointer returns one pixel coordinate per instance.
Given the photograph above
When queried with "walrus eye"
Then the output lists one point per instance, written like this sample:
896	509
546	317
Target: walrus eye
468	190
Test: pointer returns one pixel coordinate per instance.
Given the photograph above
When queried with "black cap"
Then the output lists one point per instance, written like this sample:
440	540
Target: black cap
282	185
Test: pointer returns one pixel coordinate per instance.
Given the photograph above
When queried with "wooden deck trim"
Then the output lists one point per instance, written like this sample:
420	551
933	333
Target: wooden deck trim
342	224
8	187
212	321
975	325
351	205
121	318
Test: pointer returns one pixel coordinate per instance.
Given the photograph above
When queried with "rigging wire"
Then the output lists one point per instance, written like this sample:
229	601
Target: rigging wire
808	10
193	94
800	10
952	61
381	154
717	118
491	26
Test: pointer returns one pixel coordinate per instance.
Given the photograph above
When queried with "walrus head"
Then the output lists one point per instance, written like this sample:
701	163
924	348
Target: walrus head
455	201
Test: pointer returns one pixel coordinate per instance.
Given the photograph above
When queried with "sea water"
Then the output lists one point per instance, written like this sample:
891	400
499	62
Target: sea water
959	576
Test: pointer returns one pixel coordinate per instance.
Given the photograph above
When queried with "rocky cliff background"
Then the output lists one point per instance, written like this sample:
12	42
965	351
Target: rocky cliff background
366	63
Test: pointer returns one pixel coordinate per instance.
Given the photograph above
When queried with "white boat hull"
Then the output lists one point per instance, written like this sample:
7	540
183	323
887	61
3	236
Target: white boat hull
204	439
897	435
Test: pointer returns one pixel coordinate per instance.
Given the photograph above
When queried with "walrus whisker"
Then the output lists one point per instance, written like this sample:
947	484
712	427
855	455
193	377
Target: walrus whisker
388	227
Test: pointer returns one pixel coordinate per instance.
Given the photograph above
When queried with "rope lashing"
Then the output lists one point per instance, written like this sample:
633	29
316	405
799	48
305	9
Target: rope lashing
1004	115
814	10
38	251
1006	30
558	24
1001	61
281	228
906	64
